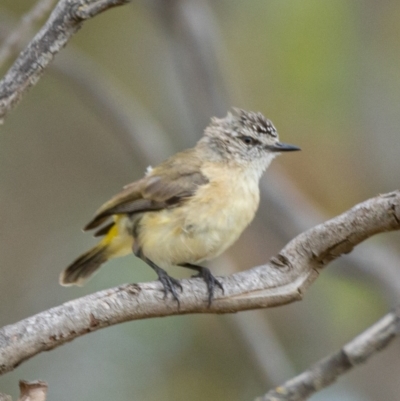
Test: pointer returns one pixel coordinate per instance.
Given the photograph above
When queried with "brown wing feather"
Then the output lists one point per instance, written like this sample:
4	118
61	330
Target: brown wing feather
165	186
126	195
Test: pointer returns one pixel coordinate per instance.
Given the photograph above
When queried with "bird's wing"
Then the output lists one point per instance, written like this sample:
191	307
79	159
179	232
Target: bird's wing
165	186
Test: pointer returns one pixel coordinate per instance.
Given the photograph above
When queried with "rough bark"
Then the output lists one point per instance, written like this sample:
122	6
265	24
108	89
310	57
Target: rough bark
65	20
328	370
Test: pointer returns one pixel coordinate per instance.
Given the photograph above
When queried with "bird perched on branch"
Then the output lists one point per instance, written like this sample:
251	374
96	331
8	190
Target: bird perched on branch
191	207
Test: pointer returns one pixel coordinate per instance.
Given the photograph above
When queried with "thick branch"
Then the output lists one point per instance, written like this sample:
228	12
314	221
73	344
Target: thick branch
328	370
284	279
67	17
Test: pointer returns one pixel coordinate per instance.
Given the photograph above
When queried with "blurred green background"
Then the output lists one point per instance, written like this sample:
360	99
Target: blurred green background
140	82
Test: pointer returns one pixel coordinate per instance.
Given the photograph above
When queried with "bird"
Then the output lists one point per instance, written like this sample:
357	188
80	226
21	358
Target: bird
190	208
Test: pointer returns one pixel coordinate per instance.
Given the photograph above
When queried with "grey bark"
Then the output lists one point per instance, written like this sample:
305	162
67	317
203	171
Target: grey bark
65	20
326	371
13	40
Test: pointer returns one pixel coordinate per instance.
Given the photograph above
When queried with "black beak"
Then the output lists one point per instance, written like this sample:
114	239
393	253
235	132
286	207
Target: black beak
282	147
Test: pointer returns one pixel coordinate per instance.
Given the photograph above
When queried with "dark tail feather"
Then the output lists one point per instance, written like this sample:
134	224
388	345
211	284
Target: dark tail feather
83	267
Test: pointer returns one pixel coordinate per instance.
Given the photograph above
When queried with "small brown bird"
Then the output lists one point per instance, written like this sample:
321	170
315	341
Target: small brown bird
190	208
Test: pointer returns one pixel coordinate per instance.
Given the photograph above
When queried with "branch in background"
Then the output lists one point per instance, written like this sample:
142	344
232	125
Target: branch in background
129	121
283	280
66	19
328	370
29	391
191	37
263	345
15	38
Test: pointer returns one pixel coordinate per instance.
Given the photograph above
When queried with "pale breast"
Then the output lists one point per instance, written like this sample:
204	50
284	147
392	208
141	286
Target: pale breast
206	224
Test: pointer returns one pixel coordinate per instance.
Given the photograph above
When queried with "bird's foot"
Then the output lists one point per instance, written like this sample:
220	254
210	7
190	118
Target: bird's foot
170	284
211	282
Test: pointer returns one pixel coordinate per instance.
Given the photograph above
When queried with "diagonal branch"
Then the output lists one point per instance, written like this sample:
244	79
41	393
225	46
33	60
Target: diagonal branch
284	279
328	370
13	40
66	19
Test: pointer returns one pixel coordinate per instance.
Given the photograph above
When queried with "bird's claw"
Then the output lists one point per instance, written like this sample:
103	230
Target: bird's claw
170	284
211	283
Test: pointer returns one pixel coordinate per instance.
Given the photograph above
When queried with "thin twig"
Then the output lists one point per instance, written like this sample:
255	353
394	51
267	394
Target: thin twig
66	19
15	38
283	280
327	370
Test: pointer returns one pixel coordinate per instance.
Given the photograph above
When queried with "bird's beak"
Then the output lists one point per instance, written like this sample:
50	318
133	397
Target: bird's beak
282	147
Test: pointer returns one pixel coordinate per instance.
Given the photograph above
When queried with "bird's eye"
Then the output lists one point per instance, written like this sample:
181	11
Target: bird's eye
248	140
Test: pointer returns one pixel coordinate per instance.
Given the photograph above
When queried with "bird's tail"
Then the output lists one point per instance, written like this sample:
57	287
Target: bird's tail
84	266
114	244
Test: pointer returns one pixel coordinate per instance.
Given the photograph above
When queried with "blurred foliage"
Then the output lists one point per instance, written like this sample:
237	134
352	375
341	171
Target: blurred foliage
326	73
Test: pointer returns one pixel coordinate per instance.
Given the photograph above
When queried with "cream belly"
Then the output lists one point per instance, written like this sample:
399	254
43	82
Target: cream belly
205	225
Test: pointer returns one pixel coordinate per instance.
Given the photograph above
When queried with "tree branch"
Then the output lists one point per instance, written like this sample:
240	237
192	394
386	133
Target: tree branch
285	221
327	370
284	279
13	40
66	19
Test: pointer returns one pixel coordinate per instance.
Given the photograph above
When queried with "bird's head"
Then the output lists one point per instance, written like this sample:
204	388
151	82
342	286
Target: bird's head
245	137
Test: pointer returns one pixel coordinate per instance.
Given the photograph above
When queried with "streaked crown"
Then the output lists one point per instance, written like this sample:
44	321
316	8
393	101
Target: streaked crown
245	136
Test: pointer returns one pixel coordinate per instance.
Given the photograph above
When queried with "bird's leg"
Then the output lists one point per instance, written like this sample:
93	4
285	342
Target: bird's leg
209	279
169	283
